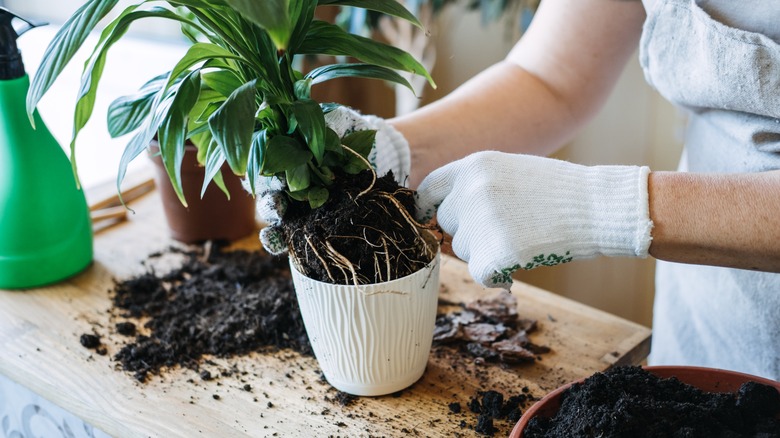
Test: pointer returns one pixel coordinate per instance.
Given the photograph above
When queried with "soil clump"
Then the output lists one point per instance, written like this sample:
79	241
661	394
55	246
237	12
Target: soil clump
217	302
491	407
632	402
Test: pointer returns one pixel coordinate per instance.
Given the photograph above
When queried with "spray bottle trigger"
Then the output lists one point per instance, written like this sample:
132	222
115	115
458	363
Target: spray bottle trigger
5	14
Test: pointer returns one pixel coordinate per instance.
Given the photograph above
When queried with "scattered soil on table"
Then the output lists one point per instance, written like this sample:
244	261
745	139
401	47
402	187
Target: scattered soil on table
631	402
214	301
356	237
93	342
220	303
490	330
342	398
490	406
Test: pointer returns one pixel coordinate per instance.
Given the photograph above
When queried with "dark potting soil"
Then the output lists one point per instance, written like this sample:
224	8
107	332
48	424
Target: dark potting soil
631	402
227	303
220	303
491	407
357	237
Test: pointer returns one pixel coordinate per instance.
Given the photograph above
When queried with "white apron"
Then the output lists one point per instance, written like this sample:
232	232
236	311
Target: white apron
728	79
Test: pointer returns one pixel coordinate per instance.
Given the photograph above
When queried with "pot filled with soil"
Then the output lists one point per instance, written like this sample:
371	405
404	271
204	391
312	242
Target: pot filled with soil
209	215
367	290
371	339
657	401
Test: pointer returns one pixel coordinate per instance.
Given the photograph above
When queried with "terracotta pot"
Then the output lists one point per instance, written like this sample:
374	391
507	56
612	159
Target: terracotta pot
212	217
371	339
706	379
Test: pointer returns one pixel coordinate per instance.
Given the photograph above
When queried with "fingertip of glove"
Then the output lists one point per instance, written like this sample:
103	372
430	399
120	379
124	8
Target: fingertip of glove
426	209
497	278
425	215
272	239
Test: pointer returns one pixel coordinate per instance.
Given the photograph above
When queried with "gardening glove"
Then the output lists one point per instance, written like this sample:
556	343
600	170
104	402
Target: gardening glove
390	153
391	150
507	212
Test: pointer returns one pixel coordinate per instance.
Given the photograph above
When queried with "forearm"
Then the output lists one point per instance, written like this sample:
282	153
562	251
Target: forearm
716	219
504	108
553	81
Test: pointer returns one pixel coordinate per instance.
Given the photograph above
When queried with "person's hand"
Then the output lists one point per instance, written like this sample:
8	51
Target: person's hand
507	212
390	153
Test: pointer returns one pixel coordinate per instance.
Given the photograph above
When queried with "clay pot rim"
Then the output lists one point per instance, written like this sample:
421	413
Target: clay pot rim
664	371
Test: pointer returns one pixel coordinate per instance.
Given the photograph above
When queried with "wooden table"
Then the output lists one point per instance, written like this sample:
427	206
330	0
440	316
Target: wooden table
40	349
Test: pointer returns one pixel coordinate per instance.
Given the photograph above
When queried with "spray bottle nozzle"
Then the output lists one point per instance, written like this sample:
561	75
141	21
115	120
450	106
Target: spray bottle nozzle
11	66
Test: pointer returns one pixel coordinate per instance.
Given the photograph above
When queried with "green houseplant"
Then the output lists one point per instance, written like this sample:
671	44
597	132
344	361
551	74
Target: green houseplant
237	95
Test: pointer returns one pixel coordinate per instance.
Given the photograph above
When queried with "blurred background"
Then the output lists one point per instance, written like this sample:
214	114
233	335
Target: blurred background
636	126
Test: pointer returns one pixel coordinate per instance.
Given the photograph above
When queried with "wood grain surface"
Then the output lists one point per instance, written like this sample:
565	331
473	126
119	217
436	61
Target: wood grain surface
285	396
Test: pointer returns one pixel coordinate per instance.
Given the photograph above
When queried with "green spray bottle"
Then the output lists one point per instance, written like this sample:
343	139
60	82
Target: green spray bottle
45	228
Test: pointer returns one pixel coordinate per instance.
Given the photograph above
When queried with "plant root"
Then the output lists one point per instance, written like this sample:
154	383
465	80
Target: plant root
370	168
361	235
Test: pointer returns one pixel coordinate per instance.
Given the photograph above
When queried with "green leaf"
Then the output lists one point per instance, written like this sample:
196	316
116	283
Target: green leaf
311	123
271	15
198	53
199	129
354	165
283	153
301	14
63	46
142	138
214	160
208	110
302	195
323	173
392	7
298	178
334	71
222	81
303	89
360	141
333	142
127	113
208	102
198	3
317	196
172	131
328	39
201	140
221	183
267	117
232	126
93	70
255	163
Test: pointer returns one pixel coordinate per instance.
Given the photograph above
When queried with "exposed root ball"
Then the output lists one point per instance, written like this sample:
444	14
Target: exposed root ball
359	236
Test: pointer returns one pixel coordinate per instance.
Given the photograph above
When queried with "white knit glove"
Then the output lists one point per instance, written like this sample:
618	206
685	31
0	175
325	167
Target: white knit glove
507	212
390	153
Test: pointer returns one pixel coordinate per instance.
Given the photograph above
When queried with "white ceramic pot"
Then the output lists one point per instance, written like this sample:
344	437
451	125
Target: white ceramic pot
371	339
